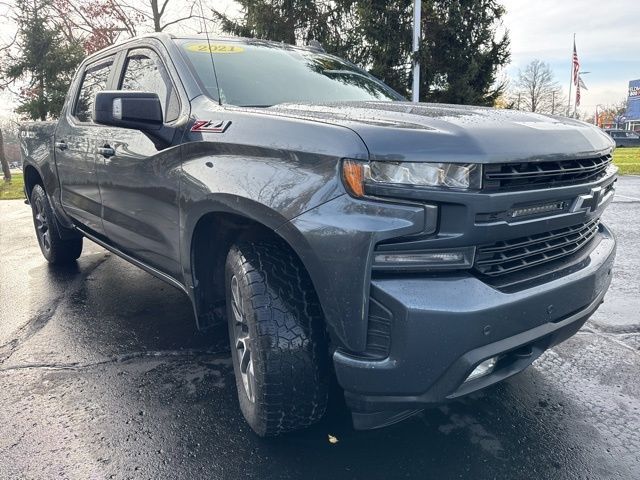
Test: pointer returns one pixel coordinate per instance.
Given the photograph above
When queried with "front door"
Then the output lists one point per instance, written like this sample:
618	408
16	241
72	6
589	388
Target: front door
139	182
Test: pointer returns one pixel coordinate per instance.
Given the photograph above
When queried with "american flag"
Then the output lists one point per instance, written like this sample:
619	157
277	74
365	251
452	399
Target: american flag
576	65
576	73
581	86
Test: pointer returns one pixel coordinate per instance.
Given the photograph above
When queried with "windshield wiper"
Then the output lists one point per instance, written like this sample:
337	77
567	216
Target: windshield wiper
346	72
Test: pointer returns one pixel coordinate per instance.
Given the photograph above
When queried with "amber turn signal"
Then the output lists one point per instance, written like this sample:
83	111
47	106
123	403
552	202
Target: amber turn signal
353	177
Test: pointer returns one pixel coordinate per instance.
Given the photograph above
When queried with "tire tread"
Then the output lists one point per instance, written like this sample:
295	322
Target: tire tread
292	355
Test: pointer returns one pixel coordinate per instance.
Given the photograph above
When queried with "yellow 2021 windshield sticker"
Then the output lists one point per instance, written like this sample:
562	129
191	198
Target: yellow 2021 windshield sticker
214	48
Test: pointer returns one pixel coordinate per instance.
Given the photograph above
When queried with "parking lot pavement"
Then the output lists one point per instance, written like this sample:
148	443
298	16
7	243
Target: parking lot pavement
102	375
621	312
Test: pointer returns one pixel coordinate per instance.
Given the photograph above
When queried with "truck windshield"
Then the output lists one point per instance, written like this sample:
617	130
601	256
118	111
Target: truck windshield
262	75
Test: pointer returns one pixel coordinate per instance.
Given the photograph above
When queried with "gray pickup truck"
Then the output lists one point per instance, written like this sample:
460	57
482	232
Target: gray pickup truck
414	252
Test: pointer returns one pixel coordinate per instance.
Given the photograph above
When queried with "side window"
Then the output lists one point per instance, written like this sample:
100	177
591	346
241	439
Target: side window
145	72
94	80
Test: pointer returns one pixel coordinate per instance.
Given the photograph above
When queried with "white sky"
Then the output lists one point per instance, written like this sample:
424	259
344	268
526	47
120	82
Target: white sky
607	38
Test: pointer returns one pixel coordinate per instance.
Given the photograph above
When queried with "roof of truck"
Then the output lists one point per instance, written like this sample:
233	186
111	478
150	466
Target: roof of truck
166	37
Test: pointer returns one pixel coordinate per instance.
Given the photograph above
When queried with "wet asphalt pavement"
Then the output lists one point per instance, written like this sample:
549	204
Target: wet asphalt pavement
103	375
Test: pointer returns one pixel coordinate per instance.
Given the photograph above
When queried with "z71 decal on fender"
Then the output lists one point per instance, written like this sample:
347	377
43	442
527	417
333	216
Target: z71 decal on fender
209	126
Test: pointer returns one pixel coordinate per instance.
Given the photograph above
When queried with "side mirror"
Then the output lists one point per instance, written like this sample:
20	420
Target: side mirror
134	110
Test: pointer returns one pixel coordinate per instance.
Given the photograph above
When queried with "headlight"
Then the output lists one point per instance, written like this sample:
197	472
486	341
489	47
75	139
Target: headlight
358	175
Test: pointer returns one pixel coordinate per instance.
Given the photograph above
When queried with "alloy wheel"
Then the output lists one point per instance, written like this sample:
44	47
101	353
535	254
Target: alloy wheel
242	341
42	225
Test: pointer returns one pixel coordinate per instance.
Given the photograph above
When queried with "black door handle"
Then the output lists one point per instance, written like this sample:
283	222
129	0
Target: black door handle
106	151
61	145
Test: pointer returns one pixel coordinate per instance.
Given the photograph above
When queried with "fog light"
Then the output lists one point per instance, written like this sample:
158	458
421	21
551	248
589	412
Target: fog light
485	368
443	259
436	258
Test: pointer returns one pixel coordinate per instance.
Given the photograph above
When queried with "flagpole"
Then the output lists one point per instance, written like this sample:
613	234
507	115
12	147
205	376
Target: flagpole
571	77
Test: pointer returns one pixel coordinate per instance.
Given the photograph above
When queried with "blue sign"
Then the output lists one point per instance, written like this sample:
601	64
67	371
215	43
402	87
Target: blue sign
633	102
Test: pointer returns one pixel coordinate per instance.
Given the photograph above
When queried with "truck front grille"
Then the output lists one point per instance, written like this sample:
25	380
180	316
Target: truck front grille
529	175
510	256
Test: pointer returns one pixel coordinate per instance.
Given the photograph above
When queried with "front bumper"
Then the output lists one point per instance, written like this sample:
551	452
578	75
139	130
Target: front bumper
444	326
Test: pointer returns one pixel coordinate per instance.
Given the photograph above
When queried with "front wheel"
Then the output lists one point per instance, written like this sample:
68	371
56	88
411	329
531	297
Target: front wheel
55	249
278	343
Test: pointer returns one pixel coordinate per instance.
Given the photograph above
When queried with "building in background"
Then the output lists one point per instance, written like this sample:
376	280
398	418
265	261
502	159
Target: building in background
632	116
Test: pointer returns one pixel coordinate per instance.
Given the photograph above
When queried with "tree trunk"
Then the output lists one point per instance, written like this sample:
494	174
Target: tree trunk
3	160
155	12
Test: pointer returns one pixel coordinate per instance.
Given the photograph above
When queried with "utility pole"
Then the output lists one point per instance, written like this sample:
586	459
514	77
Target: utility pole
417	19
553	102
519	94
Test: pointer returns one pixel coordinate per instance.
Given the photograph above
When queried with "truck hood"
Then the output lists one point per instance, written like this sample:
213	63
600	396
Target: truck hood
454	133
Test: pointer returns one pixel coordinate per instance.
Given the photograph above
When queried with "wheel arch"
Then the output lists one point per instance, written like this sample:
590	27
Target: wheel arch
213	227
32	178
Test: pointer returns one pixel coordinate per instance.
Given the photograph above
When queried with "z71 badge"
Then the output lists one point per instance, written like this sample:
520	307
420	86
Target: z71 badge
209	126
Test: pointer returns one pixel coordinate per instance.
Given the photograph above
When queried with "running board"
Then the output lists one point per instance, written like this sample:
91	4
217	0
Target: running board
156	273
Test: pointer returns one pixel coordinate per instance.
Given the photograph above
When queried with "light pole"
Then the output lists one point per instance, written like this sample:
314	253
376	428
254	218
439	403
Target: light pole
417	17
598	115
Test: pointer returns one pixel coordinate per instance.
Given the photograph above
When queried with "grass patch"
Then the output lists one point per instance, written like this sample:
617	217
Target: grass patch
628	159
12	189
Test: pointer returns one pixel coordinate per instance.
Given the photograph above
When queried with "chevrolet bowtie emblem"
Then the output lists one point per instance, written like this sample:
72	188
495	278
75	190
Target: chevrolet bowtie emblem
591	201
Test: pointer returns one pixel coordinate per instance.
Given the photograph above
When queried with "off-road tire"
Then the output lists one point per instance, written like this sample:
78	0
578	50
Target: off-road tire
286	338
56	250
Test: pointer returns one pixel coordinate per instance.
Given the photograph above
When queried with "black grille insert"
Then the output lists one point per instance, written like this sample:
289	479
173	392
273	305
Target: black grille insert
379	331
509	256
510	176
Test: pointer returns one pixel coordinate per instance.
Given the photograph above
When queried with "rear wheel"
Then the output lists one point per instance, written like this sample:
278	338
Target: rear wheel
54	248
277	338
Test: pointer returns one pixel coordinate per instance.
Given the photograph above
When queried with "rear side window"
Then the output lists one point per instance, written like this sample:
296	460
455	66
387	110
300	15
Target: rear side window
94	80
145	72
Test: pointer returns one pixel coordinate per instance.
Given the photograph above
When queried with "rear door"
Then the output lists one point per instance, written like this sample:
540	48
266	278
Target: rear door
139	183
75	146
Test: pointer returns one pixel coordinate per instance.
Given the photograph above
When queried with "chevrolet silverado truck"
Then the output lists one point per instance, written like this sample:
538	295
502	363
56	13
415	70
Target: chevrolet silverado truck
414	252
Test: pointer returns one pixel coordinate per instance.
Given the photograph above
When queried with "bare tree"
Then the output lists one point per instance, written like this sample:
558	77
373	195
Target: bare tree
156	12
610	114
3	160
537	90
96	23
100	23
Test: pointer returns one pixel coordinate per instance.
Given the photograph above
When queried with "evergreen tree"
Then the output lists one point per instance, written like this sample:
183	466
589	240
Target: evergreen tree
461	51
44	60
278	20
382	40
